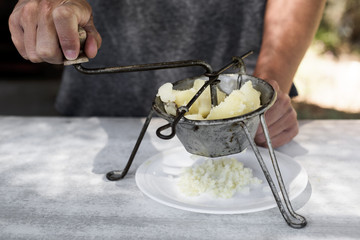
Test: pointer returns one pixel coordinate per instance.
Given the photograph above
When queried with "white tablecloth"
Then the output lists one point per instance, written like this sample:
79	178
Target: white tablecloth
52	184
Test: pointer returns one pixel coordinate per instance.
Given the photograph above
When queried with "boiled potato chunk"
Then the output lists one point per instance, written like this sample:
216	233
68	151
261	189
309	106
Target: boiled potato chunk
239	102
231	107
166	94
170	108
183	97
194	116
204	100
251	97
202	105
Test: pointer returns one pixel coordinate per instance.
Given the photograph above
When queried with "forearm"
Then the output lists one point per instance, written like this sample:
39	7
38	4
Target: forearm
289	27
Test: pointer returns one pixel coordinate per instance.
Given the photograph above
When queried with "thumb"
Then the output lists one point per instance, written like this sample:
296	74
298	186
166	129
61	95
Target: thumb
93	41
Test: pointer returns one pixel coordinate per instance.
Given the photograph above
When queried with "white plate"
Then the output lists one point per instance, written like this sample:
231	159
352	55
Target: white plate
157	178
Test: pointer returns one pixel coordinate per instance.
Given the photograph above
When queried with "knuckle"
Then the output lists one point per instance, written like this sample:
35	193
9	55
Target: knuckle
17	42
45	53
29	10
12	22
19	45
33	57
293	114
284	100
260	142
296	131
23	54
50	55
26	19
46	5
293	132
46	9
62	13
274	84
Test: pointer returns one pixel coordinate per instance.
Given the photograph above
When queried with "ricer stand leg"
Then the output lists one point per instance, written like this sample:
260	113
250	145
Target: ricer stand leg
120	174
291	217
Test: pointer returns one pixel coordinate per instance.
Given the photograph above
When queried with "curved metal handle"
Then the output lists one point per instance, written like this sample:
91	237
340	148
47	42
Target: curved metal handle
165	127
145	67
181	112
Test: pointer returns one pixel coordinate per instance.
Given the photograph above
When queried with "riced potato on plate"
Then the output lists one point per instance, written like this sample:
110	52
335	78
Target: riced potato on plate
221	178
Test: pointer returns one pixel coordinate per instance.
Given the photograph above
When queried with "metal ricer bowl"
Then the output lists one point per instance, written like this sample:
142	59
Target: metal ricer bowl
215	138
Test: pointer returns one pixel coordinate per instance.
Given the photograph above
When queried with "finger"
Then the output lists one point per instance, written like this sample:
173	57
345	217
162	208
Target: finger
279	118
28	22
276	112
93	41
91	48
17	35
281	106
282	138
47	45
66	25
288	120
274	84
285	136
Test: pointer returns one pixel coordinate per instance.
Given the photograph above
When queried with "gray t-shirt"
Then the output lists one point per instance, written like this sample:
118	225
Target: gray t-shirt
149	31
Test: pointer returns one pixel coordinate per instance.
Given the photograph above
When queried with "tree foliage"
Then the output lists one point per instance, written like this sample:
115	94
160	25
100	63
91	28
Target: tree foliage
339	30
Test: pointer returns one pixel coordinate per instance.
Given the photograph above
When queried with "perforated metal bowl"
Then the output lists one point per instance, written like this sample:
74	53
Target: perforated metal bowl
215	138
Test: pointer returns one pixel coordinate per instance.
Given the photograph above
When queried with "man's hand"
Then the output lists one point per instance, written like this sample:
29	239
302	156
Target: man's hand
281	120
47	30
289	27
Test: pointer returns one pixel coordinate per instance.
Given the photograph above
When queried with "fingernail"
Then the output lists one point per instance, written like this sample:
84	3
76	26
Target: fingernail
70	54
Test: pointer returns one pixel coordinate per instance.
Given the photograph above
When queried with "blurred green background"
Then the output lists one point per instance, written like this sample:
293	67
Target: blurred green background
328	79
339	31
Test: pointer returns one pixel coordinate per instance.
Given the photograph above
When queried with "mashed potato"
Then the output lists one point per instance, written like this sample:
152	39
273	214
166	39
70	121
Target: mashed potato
239	102
221	178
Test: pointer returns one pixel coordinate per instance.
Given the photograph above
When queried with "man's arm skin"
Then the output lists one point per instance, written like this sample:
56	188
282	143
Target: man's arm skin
289	28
